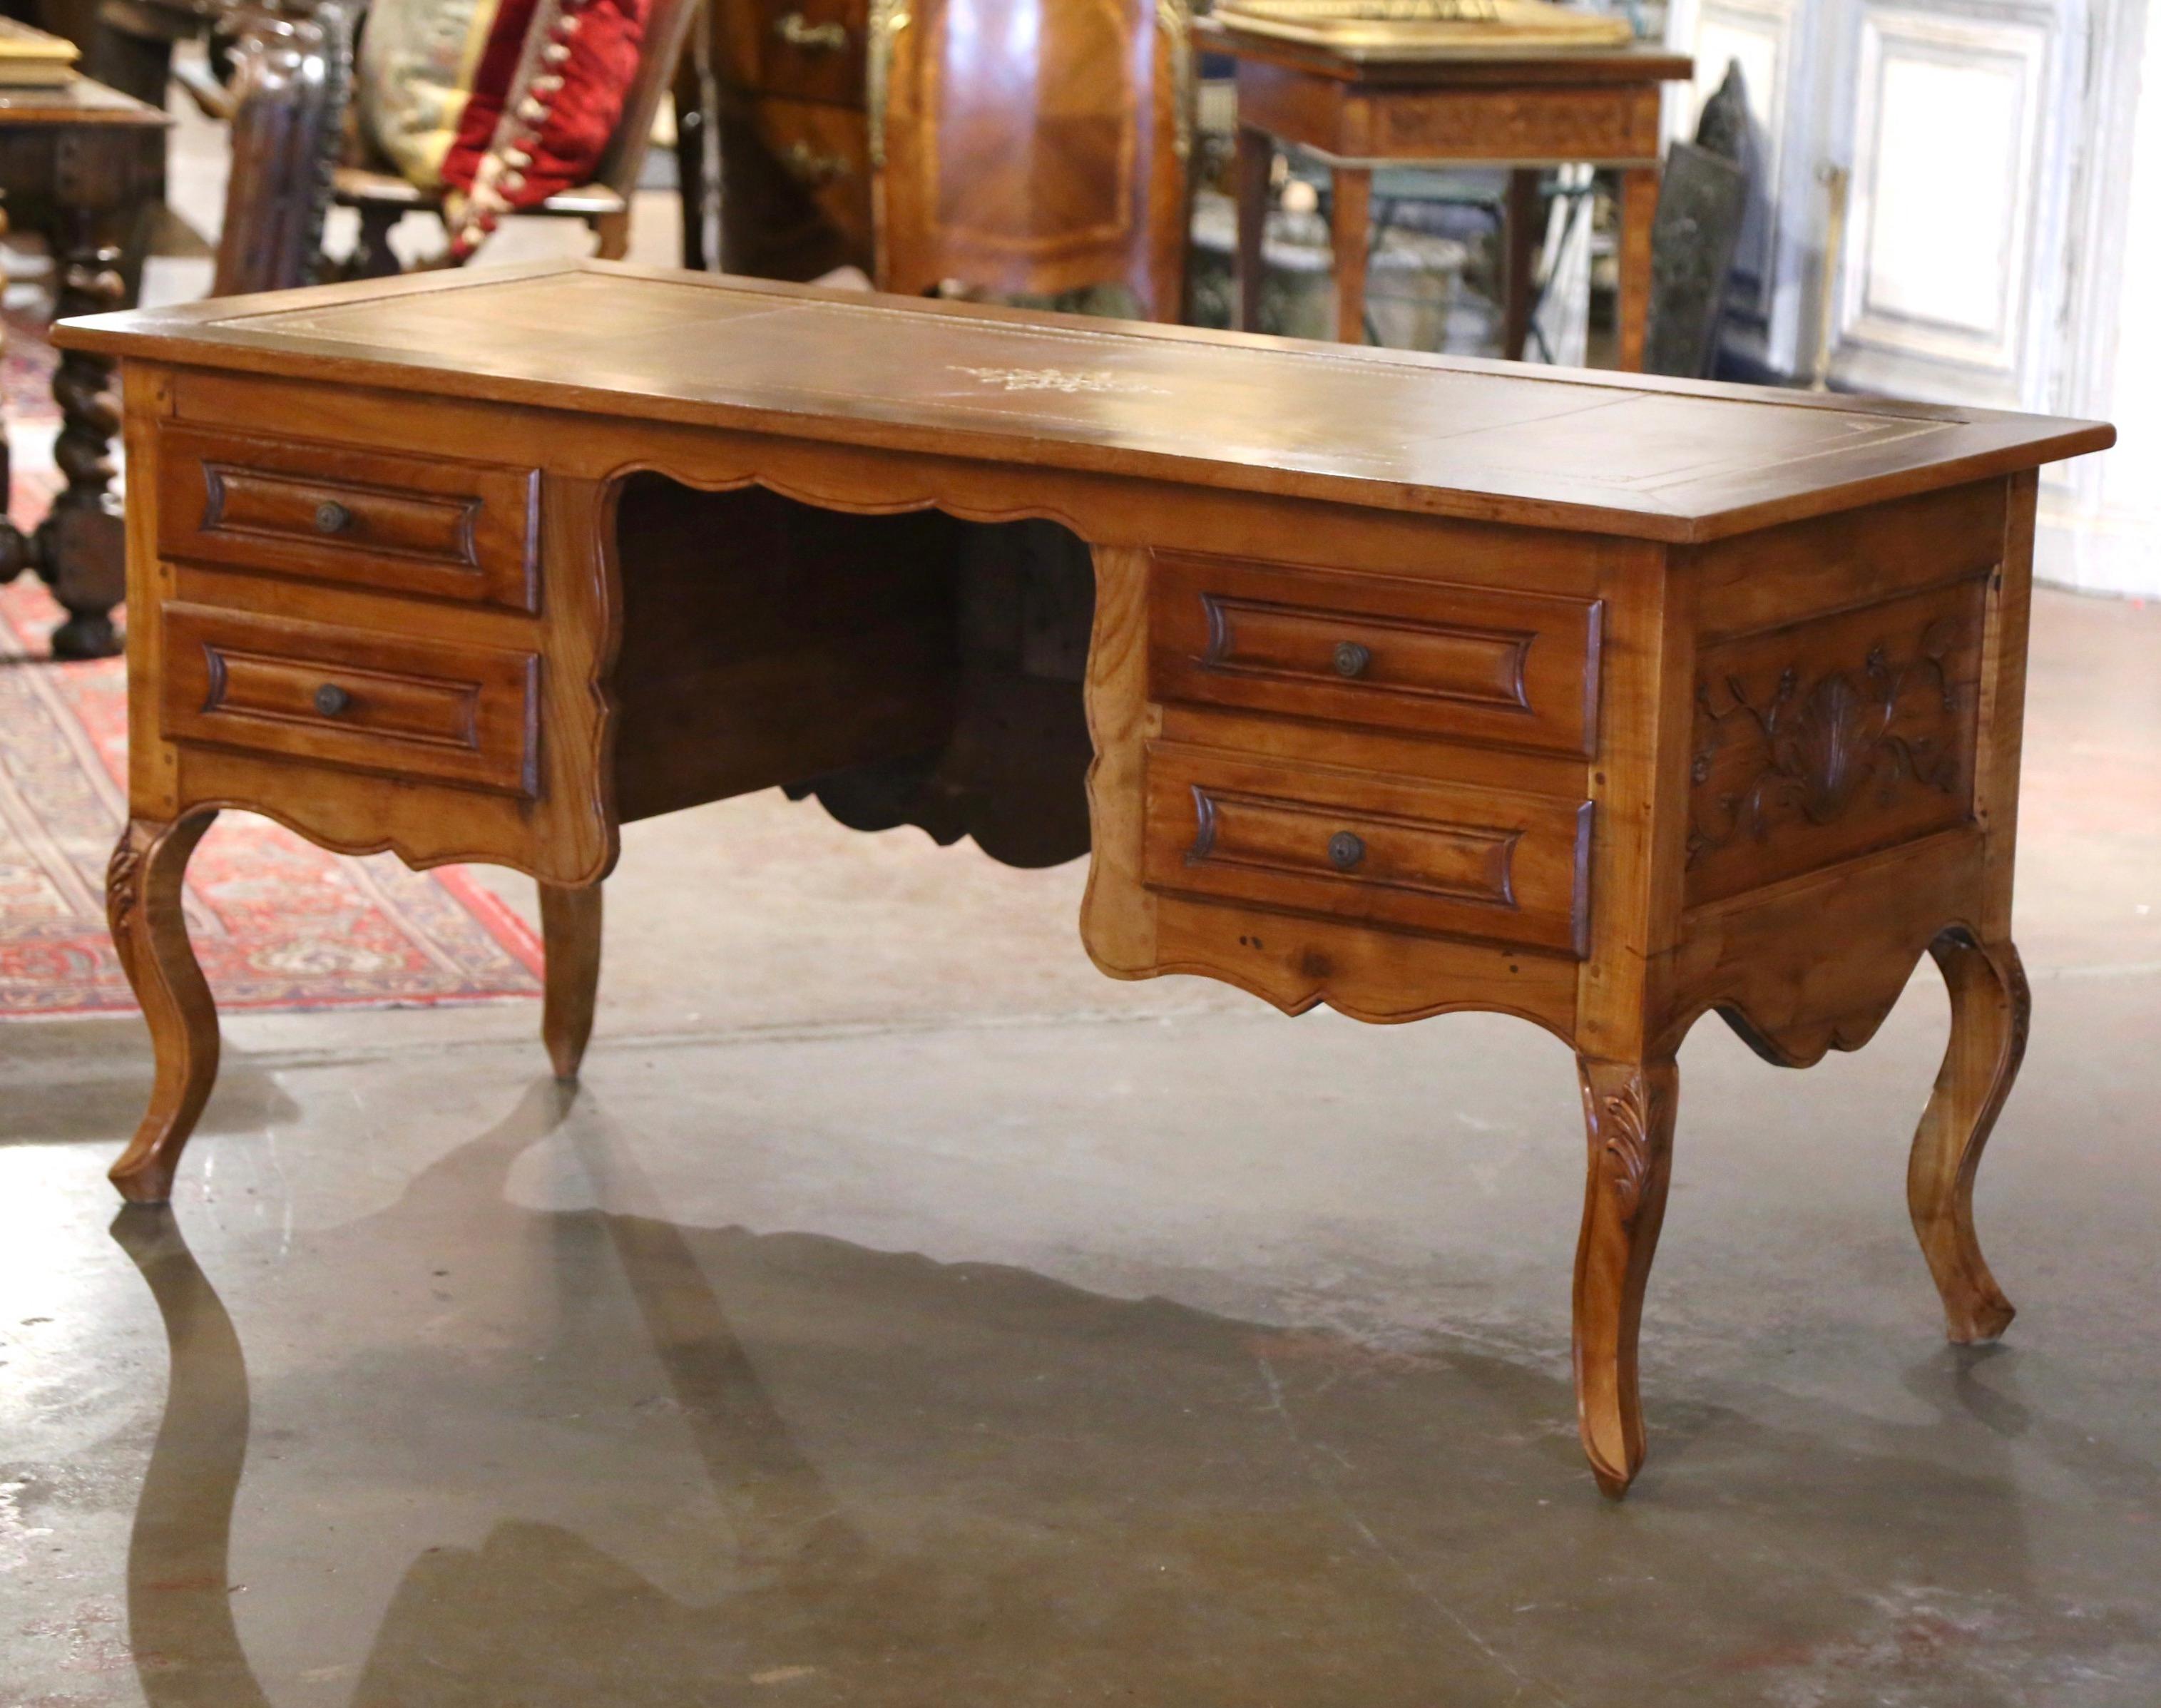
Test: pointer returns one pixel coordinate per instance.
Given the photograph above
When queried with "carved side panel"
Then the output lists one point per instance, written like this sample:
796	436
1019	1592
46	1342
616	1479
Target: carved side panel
1826	739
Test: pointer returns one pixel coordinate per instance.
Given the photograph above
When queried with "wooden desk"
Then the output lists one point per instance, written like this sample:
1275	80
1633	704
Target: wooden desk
1362	109
1412	684
84	165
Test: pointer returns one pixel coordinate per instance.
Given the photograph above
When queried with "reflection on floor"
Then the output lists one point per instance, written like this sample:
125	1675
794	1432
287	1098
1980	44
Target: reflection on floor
902	1314
989	1409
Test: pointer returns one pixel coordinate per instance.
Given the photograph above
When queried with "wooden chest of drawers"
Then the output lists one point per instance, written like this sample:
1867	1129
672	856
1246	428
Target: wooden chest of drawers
1019	146
795	154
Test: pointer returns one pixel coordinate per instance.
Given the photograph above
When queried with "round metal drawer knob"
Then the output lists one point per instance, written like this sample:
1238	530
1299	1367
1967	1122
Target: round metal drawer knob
332	517
1351	659
330	700
1345	850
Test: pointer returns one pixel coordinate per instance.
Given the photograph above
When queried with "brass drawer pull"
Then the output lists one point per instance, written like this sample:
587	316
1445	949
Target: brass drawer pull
332	700
1352	658
798	32
1345	850
332	517
811	168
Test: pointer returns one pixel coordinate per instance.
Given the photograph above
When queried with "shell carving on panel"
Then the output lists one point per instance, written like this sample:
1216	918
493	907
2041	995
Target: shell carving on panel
1817	750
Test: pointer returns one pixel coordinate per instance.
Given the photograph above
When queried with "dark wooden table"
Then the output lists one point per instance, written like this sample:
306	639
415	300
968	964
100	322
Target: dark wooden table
1407	683
85	166
1360	109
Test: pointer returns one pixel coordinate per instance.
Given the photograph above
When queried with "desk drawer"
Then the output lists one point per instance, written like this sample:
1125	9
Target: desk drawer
1469	663
450	712
325	512
1450	859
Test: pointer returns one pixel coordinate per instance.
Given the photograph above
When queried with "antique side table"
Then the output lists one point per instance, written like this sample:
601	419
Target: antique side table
1361	108
1397	683
84	165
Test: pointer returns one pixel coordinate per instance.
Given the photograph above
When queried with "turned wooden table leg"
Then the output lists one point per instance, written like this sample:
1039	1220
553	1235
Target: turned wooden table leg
1639	207
17	553
1349	222
571	935
82	545
1628	1112
1521	236
1990	1006
142	903
1257	158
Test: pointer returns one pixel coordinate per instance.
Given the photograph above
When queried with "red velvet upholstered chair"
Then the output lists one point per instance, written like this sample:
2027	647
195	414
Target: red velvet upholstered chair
501	147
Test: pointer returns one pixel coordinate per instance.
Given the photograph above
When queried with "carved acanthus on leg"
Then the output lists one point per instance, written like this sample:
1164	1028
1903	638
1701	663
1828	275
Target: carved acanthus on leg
142	887
1628	1112
1990	1006
571	934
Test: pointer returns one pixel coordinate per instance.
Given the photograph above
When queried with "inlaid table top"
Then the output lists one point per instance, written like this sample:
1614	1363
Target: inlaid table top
1656	459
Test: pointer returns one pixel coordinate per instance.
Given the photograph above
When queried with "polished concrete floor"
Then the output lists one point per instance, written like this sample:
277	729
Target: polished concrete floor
901	1313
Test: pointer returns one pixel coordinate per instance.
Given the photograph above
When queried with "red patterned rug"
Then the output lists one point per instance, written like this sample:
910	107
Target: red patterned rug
276	922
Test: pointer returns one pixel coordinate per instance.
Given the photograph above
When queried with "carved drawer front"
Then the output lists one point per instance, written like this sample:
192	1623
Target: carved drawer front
1450	859
333	695
1520	669
403	524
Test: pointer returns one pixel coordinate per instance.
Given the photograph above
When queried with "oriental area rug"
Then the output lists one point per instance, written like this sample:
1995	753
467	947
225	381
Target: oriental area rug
276	922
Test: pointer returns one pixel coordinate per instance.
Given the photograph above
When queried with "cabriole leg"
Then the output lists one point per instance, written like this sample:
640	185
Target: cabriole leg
1628	1112
142	903
1990	1006
571	935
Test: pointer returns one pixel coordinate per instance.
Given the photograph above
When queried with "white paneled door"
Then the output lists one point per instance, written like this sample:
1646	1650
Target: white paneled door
1991	213
1962	131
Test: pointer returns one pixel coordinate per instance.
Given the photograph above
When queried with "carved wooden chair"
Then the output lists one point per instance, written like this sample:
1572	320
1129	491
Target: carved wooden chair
284	104
383	198
1027	147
